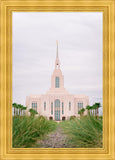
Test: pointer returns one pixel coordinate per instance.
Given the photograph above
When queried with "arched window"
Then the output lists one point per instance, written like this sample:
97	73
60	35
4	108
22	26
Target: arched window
34	106
57	110
69	106
80	106
57	82
57	103
62	108
51	107
44	106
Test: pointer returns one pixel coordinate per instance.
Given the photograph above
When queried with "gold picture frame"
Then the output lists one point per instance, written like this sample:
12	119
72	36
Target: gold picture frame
107	7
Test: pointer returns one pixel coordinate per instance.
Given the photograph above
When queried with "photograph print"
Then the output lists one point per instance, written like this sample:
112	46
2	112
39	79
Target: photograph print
57	80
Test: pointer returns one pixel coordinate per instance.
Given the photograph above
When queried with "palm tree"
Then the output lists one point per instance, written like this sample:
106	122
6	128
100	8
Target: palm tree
98	105
24	108
15	106
81	112
88	108
20	108
91	108
94	109
33	112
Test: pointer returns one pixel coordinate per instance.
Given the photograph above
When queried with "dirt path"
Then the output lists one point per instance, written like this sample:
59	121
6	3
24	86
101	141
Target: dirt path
56	139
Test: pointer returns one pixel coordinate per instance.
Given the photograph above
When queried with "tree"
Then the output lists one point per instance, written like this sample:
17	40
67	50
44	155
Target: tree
91	108
97	105
15	105
88	108
20	108
81	112
94	109
24	108
33	112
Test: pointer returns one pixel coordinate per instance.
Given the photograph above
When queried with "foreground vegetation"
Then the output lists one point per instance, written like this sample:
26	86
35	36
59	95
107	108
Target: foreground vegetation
85	132
28	129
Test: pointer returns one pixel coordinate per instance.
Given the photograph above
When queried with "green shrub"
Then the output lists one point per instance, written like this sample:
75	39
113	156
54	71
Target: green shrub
27	129
72	117
85	132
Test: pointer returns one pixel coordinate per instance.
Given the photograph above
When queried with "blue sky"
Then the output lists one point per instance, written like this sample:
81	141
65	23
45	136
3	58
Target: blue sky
80	52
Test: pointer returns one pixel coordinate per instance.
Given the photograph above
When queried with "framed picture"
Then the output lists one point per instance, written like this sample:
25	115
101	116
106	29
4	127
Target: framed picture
57	79
76	81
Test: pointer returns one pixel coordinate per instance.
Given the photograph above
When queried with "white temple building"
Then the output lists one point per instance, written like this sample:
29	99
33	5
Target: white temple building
57	103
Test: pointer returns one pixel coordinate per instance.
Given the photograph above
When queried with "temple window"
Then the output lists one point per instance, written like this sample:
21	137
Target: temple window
44	106
52	108
69	106
62	108
57	82
80	106
34	106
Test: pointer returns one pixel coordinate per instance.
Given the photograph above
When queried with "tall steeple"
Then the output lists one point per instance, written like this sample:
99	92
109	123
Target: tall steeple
57	49
57	78
57	63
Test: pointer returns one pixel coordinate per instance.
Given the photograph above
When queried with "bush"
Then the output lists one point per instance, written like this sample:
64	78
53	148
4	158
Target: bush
27	129
72	117
85	132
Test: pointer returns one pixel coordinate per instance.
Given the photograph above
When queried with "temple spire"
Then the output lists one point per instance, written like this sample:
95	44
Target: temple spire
57	63
57	48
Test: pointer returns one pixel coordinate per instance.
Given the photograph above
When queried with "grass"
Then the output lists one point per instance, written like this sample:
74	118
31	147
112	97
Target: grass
81	133
27	130
85	132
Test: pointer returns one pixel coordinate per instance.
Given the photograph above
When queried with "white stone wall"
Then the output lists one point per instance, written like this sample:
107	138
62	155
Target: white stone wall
74	100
